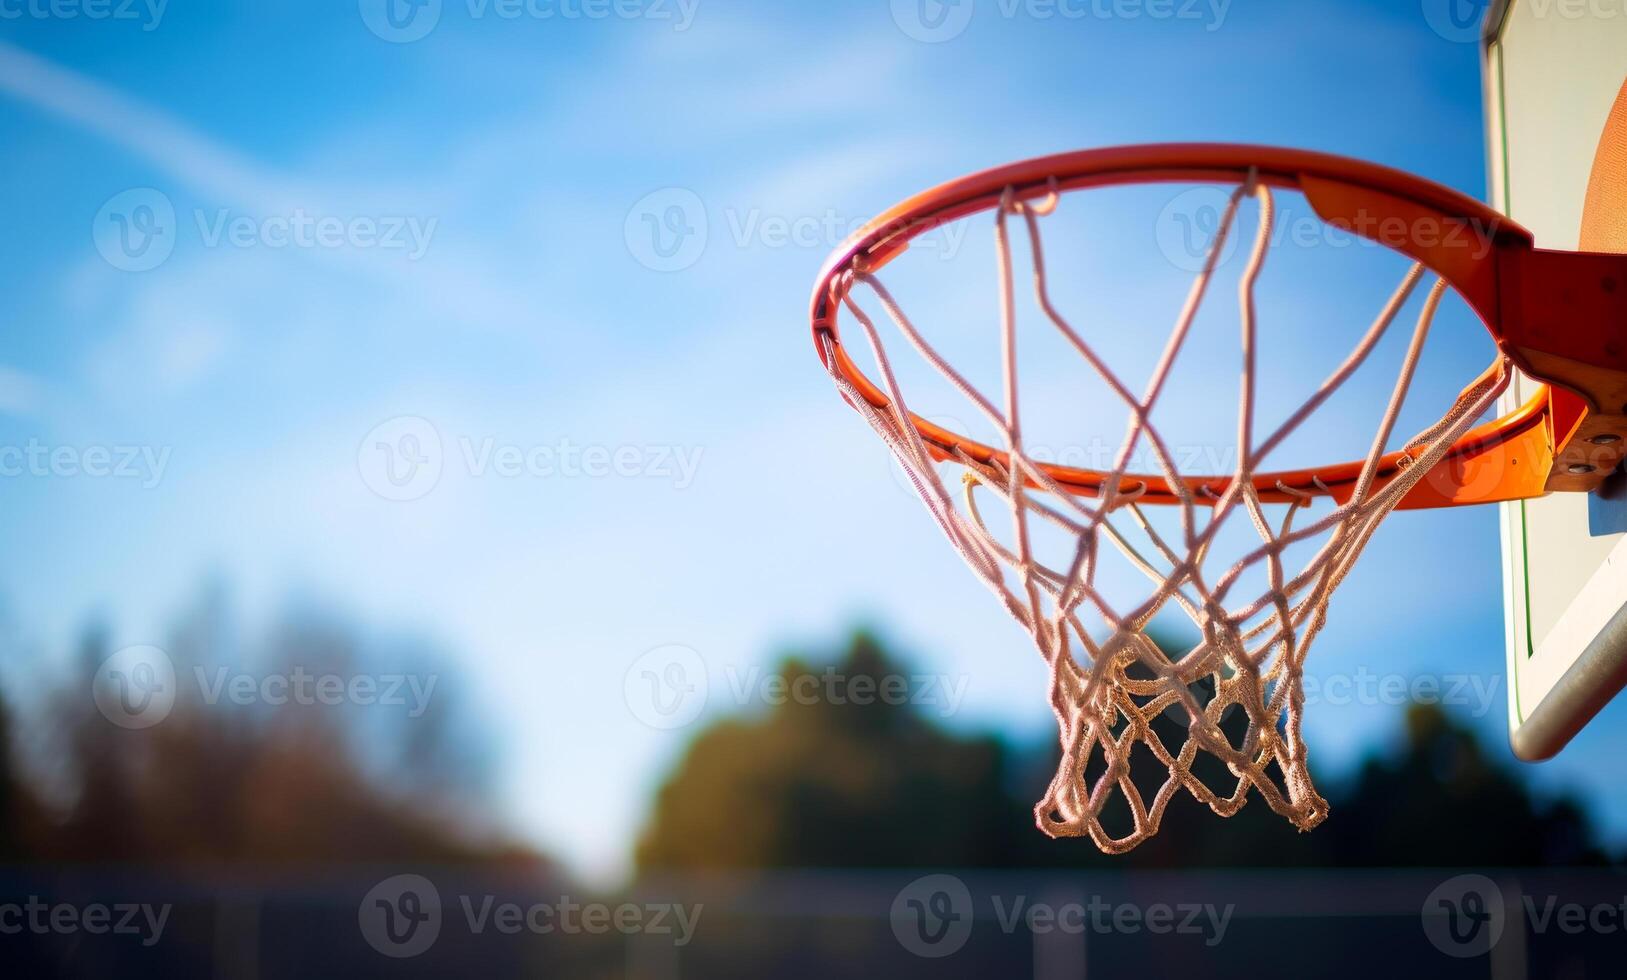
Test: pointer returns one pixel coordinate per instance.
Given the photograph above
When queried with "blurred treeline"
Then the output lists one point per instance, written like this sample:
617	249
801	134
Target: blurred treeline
276	820
876	785
801	785
222	783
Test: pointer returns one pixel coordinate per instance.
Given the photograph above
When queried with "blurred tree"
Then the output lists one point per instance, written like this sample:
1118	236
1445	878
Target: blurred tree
817	783
220	781
1439	800
99	824
20	814
254	817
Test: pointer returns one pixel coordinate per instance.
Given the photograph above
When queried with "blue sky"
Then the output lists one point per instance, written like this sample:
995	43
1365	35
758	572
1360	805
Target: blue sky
512	292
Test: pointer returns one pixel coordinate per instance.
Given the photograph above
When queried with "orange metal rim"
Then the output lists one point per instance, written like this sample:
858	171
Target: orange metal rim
1505	459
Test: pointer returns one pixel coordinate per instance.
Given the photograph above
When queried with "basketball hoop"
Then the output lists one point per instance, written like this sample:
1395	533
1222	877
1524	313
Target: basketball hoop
1105	692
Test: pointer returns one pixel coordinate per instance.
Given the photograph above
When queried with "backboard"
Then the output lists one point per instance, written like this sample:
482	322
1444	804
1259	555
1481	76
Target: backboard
1556	109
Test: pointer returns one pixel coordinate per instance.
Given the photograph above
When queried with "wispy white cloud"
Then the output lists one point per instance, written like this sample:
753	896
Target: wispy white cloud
142	129
455	286
769	100
837	175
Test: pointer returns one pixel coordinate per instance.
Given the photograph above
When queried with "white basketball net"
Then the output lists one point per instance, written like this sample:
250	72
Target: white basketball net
1252	649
